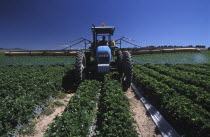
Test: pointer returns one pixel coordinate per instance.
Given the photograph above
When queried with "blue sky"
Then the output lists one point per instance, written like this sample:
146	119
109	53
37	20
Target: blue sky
50	24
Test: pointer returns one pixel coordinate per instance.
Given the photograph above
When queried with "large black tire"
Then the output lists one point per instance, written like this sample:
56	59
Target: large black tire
127	70
87	57
80	66
119	62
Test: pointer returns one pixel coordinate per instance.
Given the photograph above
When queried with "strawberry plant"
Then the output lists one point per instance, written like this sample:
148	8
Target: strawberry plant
187	77
37	60
188	117
23	88
116	119
80	113
196	94
194	69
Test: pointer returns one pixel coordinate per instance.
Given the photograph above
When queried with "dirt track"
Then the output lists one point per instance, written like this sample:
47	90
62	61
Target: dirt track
44	121
145	124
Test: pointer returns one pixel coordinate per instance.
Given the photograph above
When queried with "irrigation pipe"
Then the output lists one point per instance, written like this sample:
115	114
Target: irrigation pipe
165	128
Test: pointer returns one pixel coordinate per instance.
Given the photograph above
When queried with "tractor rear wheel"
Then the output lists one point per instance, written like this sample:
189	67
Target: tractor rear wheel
119	62
80	66
127	70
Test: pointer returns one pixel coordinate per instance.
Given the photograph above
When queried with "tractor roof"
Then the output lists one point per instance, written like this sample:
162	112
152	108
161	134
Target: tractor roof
104	30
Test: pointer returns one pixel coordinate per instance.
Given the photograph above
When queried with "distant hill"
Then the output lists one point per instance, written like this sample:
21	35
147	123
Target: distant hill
11	49
17	49
3	50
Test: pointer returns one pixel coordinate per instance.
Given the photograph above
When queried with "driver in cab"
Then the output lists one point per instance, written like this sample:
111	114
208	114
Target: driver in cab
103	41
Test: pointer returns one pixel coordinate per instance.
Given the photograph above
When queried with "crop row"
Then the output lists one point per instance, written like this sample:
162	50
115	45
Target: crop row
116	118
196	70
190	74
186	77
113	118
197	94
190	117
172	58
37	60
205	66
22	89
80	113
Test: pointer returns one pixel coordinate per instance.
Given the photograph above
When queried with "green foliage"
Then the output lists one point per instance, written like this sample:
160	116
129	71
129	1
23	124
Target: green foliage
25	87
28	129
61	95
187	77
48	111
1	57
79	114
196	94
37	60
173	58
111	76
194	69
188	115
203	66
57	104
115	111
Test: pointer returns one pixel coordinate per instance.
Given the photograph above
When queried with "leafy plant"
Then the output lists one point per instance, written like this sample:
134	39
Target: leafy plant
116	119
37	60
194	69
23	88
79	114
180	109
196	94
173	58
186	77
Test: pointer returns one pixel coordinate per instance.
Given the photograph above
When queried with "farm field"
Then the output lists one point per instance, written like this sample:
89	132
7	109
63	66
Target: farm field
167	58
74	69
173	58
81	113
182	95
18	105
1	58
181	92
36	60
24	89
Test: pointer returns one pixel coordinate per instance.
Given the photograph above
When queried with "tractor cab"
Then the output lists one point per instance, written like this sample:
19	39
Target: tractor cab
102	32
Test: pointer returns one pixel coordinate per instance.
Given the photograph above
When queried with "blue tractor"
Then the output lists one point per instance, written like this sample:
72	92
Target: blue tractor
105	55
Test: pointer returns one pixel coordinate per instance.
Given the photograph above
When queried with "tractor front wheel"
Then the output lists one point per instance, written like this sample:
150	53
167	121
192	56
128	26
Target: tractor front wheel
127	70
80	66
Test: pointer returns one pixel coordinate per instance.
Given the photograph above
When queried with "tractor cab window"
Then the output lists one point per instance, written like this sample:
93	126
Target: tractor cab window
103	41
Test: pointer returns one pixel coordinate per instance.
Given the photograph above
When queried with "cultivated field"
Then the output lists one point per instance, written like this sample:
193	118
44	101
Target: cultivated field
167	58
180	92
177	84
173	58
37	60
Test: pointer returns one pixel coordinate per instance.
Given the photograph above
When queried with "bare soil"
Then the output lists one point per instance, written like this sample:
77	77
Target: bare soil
144	123
43	121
